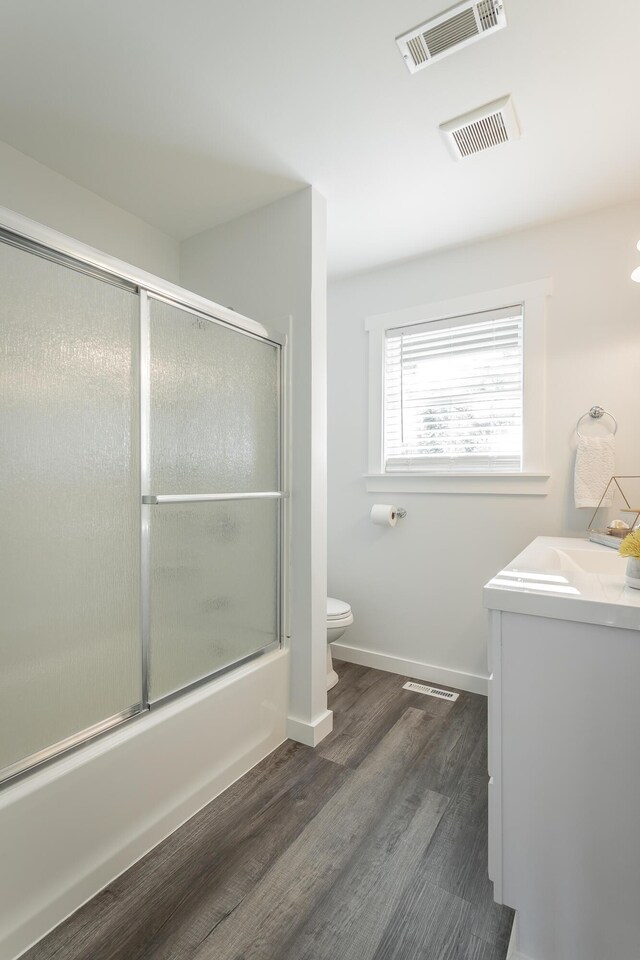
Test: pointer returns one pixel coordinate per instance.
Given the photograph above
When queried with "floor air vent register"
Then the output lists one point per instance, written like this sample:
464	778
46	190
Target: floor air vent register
430	691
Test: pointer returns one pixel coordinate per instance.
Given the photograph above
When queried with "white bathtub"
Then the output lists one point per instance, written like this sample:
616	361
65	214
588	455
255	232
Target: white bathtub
68	829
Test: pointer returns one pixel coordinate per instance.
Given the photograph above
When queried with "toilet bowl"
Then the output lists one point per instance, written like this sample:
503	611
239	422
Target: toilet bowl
339	617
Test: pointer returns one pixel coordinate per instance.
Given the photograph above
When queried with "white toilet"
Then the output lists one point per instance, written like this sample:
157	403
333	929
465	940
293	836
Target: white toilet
339	617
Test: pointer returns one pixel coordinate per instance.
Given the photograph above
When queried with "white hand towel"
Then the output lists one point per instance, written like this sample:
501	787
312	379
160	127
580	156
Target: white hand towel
595	465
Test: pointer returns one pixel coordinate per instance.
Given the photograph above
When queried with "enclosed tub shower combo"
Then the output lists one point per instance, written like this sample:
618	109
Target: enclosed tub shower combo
142	506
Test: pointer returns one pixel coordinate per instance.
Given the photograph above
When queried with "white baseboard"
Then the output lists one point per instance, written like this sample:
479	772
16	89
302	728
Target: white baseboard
512	950
471	682
310	733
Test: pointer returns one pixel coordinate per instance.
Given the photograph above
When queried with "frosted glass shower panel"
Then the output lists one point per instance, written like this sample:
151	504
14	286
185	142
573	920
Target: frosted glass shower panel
70	653
214	406
213	588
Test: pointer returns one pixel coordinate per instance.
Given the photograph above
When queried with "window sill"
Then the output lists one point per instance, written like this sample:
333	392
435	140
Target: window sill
505	484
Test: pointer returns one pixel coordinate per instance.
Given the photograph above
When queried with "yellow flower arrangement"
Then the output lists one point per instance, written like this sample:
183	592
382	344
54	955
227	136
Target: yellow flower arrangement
630	546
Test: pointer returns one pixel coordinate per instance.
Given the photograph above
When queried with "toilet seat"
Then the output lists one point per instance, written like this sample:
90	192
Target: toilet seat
337	609
339	619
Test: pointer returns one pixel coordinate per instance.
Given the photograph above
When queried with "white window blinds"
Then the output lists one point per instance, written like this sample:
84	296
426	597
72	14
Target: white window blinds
453	394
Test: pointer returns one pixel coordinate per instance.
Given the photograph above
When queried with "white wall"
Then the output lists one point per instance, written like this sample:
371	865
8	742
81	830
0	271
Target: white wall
416	590
271	265
35	191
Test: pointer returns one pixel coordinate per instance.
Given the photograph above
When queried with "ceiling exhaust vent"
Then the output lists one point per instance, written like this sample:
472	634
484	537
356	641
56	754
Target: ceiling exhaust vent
452	30
488	126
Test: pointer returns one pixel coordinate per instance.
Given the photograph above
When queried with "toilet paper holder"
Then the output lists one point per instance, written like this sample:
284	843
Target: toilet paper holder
386	514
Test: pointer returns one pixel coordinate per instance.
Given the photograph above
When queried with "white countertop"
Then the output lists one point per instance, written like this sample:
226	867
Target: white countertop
566	578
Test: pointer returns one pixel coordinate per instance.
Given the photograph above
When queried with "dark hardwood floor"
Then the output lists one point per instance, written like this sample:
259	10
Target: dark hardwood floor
371	847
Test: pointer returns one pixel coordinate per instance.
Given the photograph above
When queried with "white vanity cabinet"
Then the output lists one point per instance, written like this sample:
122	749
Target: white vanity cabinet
564	751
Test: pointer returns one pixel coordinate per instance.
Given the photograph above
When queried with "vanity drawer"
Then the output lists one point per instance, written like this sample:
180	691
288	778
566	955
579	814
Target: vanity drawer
493	728
491	829
495	828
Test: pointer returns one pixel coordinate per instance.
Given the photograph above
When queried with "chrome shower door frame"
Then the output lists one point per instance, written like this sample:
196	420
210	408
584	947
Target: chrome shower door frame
45	242
150	500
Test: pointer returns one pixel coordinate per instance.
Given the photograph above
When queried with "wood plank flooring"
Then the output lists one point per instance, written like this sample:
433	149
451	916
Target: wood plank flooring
373	846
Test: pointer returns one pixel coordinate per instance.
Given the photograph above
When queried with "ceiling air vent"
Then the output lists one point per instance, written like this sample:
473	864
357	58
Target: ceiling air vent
450	31
480	129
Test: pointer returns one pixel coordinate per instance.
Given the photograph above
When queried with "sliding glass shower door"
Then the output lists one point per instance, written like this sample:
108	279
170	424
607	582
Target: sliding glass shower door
213	492
140	498
70	653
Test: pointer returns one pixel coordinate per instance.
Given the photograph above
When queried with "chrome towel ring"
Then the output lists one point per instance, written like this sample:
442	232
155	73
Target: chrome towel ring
596	413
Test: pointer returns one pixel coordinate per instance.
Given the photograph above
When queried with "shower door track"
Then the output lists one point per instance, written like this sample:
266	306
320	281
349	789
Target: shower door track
64	747
42	241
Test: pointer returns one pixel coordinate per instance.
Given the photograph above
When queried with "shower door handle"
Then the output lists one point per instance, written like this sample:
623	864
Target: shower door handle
154	500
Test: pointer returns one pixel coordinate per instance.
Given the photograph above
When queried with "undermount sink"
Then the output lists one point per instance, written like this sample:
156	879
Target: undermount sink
567	578
586	558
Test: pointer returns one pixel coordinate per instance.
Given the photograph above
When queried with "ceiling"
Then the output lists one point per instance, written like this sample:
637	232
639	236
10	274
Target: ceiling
188	113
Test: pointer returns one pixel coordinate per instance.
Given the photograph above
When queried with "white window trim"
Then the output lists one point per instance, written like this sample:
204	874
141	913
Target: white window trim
533	479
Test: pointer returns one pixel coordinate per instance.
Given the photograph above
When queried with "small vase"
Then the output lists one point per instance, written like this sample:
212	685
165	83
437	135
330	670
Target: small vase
632	576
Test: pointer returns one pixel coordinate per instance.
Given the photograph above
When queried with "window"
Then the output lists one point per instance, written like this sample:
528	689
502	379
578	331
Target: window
456	395
453	394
